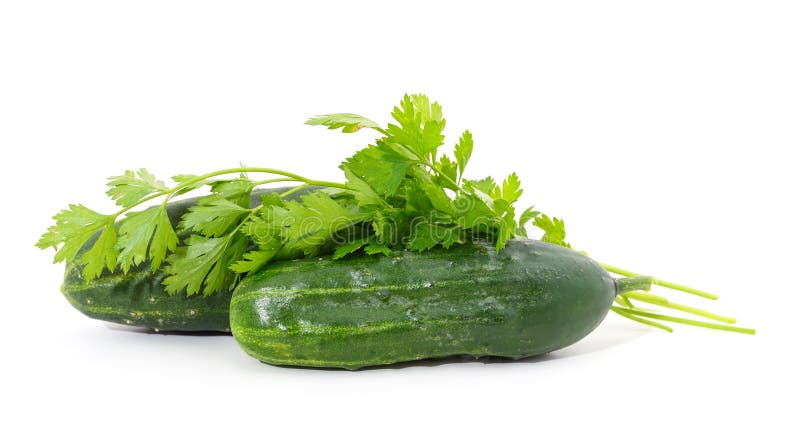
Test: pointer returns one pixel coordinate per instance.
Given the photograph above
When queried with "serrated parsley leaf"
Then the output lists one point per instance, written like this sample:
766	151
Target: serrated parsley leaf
184	178
382	168
527	215
506	229
203	264
145	234
235	190
554	231
374	247
214	217
253	260
103	253
463	151
449	173
427	235
131	187
428	111
511	189
73	227
361	191
486	185
420	128
349	123
347	248
473	213
307	225
438	198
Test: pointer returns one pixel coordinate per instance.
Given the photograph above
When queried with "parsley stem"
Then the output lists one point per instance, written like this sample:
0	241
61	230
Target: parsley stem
275	180
293	190
443	175
239	170
286	176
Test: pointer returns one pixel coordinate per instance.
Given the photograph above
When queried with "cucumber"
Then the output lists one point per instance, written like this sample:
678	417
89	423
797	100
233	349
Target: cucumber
138	297
529	299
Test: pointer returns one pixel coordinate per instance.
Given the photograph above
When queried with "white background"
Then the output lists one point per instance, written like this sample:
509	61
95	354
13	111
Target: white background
663	132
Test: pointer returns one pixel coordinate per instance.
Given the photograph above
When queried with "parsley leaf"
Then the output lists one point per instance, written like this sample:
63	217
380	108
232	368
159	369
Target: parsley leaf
375	247
347	248
213	217
72	229
485	185
235	190
463	151
506	229
420	126
473	213
145	234
255	259
184	178
379	166
349	123
102	253
448	173
427	235
527	215
131	187
361	191
511	189
203	264
305	226
554	231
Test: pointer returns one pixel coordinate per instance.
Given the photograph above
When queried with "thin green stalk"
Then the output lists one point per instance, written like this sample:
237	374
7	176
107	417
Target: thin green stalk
689	321
286	176
663	283
661	301
294	189
257	170
623	300
641	320
274	180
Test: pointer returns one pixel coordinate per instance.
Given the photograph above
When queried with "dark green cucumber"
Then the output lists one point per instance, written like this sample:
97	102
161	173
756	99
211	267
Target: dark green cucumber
529	299
138	297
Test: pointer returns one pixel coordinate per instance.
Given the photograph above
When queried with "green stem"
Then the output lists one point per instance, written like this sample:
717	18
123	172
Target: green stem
275	180
445	176
294	189
622	299
661	301
258	170
663	283
641	320
635	283
688	321
286	176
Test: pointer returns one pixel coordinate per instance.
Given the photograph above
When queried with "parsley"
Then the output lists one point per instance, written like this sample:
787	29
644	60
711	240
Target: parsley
401	192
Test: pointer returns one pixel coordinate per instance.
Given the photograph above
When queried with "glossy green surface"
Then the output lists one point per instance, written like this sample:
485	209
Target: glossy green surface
529	299
139	299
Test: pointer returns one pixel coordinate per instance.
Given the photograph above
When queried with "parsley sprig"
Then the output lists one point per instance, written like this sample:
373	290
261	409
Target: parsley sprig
399	193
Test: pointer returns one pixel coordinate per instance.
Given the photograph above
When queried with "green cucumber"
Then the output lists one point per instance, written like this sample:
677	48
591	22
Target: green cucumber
138	297
529	299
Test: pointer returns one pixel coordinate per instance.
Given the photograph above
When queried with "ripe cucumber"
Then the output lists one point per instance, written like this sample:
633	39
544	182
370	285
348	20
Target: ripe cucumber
531	298
138	297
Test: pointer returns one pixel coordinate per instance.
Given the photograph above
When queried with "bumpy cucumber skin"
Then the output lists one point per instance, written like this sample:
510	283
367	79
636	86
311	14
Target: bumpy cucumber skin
529	299
138	297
